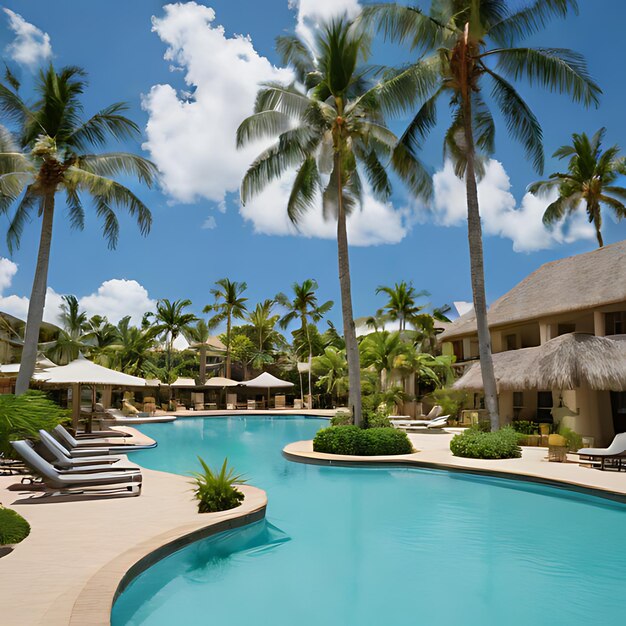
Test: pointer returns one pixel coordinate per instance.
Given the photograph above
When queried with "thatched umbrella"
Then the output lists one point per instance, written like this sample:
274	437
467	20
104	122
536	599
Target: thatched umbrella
566	362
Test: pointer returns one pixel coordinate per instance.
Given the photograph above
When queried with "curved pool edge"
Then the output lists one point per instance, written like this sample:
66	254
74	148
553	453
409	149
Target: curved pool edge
302	452
95	601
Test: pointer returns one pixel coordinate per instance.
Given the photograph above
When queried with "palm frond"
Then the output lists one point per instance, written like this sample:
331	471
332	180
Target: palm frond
423	122
304	190
556	69
262	125
412	171
377	176
529	20
105	123
20	217
114	163
521	122
75	208
293	51
285	99
618	207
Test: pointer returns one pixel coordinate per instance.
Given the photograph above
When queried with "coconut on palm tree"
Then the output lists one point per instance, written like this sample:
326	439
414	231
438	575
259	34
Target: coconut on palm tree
305	308
474	52
51	151
589	182
229	304
329	128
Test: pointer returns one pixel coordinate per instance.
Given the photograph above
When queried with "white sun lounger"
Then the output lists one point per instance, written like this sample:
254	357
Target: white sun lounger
62	460
615	452
438	422
101	446
57	481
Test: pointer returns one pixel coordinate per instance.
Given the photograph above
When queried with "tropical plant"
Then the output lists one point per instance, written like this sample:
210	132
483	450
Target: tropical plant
229	304
171	321
474	443
52	151
197	336
216	490
400	305
380	350
13	527
21	417
328	123
133	347
265	336
243	350
462	63
101	335
304	307
331	370
589	181
71	340
451	401
352	440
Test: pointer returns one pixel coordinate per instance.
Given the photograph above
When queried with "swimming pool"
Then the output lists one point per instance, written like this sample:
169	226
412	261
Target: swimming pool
376	546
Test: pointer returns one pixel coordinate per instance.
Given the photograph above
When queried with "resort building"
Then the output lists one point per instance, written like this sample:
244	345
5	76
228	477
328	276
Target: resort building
583	294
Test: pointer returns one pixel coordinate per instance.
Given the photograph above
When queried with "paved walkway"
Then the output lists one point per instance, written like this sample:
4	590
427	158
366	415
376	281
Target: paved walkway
71	541
433	450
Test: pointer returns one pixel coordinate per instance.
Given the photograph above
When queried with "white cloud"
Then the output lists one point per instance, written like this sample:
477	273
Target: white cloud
499	211
192	140
31	45
117	298
312	13
209	223
114	298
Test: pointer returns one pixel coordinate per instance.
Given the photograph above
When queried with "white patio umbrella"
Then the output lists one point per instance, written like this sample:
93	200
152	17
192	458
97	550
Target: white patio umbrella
267	381
220	381
82	371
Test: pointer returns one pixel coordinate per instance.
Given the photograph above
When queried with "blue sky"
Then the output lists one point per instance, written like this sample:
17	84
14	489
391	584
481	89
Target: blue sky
115	42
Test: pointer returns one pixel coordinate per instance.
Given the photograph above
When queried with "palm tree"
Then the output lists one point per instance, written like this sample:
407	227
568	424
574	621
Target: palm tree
401	305
51	152
72	336
229	304
328	124
170	322
331	368
459	34
380	350
304	307
591	174
197	336
266	337
133	347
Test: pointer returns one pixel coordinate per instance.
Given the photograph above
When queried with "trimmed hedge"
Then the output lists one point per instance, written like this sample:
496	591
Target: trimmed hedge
355	441
474	444
13	527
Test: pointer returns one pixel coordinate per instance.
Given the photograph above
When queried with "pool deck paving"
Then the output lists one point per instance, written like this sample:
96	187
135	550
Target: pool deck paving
68	569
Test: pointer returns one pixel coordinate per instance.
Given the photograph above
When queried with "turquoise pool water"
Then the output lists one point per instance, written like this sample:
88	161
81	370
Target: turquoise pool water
378	546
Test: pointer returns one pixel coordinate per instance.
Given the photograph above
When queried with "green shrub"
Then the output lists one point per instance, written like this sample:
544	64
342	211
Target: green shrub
21	417
13	527
451	401
474	444
355	441
342	418
216	491
573	440
525	427
377	420
377	441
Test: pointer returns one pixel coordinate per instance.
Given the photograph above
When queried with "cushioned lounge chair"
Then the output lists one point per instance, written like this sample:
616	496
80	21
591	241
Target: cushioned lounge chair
438	422
60	482
56	454
102	446
615	454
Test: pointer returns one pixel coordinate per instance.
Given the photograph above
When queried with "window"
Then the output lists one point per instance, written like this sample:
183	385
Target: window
457	348
511	342
564	329
518	404
615	323
544	406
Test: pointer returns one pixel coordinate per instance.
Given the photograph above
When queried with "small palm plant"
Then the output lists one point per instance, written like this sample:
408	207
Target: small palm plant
216	491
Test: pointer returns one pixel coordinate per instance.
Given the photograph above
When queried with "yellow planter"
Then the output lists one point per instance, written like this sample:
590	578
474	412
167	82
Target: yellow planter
557	440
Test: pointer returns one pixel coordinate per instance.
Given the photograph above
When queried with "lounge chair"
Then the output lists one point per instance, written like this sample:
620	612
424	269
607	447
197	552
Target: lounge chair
615	453
96	446
438	422
60	482
252	404
280	402
56	454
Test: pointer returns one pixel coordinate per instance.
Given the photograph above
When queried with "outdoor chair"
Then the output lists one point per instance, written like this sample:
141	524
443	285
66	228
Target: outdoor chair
615	454
280	402
96	446
438	422
57	481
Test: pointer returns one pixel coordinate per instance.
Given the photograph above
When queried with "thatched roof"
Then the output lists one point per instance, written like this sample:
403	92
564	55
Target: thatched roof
566	362
571	284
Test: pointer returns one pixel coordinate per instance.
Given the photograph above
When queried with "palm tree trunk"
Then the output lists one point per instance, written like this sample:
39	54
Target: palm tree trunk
202	378
352	348
308	339
474	235
228	346
37	298
597	222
